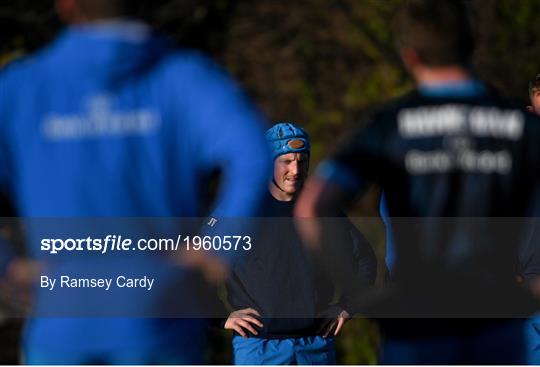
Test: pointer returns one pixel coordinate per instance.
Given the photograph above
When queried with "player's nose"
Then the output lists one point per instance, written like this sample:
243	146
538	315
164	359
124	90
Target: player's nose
293	168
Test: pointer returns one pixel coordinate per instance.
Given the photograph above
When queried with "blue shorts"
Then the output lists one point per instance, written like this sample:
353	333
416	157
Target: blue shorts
305	350
532	335
116	357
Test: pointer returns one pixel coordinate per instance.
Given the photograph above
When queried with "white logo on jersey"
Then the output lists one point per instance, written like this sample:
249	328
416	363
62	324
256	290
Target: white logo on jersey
495	123
432	121
98	119
459	126
458	119
440	161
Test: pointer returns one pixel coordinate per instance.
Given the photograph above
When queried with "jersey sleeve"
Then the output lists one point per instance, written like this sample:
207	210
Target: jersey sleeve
230	138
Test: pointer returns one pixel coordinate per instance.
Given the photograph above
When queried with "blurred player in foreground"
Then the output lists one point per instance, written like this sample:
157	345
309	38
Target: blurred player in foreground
111	121
452	158
284	307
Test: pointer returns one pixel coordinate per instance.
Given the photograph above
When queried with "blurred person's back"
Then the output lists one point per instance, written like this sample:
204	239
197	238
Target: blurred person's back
111	121
458	199
453	159
458	167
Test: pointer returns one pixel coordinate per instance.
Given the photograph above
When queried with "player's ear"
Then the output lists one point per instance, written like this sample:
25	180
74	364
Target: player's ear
530	108
68	11
410	58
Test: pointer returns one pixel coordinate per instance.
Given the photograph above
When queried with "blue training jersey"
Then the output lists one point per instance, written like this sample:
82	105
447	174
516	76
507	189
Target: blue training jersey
98	125
111	121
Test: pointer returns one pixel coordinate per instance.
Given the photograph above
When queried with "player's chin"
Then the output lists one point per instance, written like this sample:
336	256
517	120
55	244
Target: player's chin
293	187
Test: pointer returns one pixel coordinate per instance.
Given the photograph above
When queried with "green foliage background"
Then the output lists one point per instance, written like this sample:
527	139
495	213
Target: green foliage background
320	63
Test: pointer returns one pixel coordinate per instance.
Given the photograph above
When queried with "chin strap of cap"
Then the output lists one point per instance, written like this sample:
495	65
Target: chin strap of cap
276	185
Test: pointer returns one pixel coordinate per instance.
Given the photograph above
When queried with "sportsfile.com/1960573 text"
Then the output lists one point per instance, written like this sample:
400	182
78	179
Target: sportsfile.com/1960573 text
111	243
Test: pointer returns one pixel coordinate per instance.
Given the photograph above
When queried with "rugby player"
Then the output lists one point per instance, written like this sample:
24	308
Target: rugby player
284	310
450	156
111	121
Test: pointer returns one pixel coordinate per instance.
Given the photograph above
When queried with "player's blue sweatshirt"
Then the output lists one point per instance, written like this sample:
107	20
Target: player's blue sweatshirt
110	121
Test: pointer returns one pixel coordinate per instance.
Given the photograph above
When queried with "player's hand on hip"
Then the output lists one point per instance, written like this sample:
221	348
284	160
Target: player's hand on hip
242	321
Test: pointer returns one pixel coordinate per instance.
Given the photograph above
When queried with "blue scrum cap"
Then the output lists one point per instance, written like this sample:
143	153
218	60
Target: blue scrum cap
286	137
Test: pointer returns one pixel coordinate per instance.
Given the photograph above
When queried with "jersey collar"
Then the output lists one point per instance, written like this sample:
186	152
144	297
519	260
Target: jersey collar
126	30
462	88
